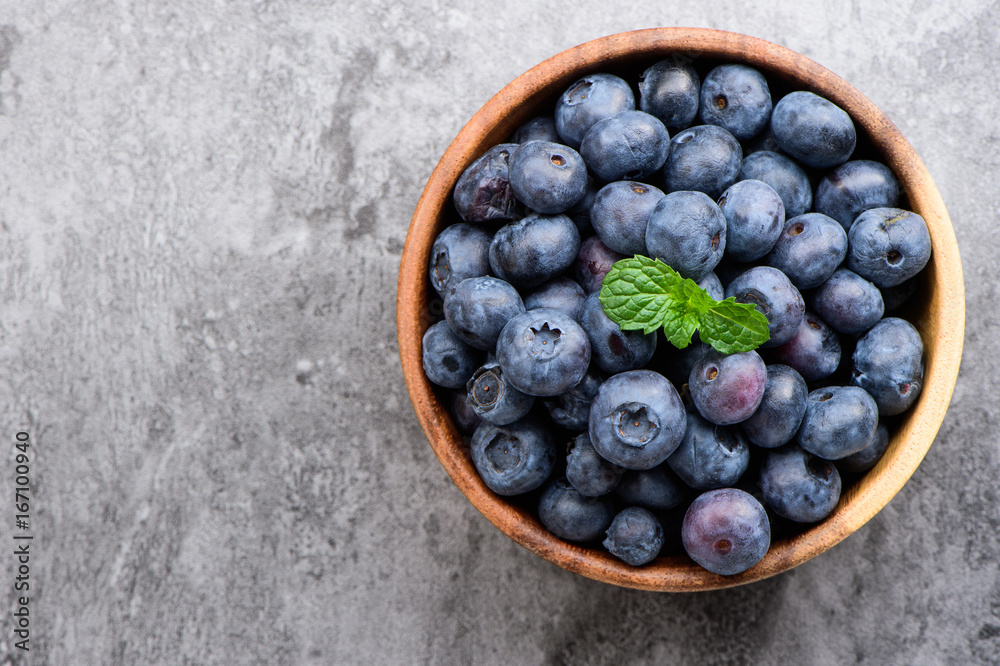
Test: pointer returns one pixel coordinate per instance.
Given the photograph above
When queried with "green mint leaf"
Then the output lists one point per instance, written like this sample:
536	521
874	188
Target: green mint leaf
679	326
688	306
732	327
639	293
645	294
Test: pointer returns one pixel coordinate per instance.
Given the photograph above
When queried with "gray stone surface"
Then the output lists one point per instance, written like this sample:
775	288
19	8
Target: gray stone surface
202	209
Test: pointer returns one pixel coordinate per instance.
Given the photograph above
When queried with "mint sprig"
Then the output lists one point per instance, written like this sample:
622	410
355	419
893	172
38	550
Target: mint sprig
645	294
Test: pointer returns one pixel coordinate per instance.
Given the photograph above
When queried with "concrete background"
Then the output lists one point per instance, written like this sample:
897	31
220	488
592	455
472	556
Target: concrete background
202	209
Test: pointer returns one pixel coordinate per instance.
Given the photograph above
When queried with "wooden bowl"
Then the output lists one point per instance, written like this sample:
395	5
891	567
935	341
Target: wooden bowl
939	314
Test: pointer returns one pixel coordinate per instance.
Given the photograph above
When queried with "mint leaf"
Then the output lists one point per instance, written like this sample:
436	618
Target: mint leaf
689	304
645	294
638	293
734	327
679	326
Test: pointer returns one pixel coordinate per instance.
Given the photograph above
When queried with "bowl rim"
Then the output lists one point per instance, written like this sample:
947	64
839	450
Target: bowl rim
941	321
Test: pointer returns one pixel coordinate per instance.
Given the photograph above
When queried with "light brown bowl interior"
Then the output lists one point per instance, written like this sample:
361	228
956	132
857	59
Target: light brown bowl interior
940	318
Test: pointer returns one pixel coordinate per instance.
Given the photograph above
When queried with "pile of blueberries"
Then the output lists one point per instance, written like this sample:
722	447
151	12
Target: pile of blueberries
617	438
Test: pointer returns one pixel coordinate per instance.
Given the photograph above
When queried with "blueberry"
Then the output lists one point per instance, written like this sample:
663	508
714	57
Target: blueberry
632	144
534	249
561	293
728	270
710	456
669	91
547	177
813	130
704	158
466	419
798	485
737	98
814	351
889	364
635	536
847	302
750	482
713	286
478	308
726	531
460	251
774	296
612	349
636	419
839	421
580	211
687	231
593	262
755	217
854	187
620	212
543	352
762	142
675	364
447	360
727	388
494	399
784	175
483	192
656	489
539	128
572	516
513	459
571	410
588	472
809	249
866	458
588	100
888	246
781	409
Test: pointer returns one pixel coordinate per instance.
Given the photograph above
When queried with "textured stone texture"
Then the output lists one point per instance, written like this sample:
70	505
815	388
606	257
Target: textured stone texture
202	208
